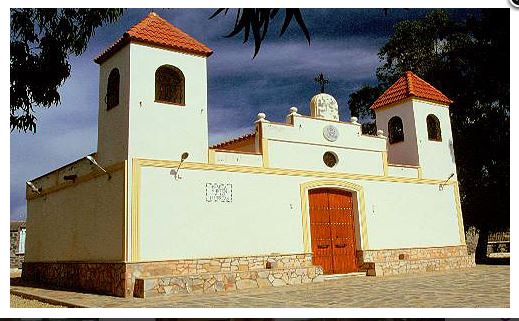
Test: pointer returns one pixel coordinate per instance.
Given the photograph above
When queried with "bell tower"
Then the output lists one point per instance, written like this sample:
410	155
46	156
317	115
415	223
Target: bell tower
415	117
153	95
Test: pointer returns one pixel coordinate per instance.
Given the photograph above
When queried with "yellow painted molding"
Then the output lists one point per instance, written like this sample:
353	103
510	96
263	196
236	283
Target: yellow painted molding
361	215
455	186
265	152
80	179
385	164
329	180
136	188
282	171
211	153
420	173
125	213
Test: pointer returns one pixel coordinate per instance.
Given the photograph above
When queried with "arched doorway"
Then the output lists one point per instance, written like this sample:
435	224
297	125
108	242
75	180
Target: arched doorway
332	229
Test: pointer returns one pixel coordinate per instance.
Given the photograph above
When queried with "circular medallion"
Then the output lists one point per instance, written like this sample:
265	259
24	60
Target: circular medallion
331	133
330	159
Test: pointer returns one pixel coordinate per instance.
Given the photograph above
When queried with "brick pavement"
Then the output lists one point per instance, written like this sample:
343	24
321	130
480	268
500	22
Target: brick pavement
482	286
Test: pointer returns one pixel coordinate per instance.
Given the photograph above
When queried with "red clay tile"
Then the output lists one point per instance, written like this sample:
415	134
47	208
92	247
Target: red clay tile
156	31
231	142
410	85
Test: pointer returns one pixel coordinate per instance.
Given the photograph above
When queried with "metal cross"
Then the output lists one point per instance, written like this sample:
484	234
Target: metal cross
321	80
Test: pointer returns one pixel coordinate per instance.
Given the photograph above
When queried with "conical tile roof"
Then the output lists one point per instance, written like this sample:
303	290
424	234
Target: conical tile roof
410	85
156	31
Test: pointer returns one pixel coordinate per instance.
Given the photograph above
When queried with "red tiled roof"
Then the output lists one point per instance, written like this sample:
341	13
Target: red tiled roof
410	85
155	30
233	141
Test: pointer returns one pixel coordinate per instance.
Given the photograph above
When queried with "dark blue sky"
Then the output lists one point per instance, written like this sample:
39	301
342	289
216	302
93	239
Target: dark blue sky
344	46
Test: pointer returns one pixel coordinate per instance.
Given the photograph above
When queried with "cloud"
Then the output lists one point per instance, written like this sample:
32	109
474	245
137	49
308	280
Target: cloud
344	46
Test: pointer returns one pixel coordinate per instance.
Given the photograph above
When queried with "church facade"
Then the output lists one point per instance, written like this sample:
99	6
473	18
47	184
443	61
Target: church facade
159	212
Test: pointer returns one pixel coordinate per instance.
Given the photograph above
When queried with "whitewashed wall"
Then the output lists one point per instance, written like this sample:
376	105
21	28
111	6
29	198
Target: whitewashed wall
265	215
160	130
436	158
405	152
113	124
84	222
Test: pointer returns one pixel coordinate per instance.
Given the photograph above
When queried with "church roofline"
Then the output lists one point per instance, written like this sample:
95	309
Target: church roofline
410	86
156	31
232	141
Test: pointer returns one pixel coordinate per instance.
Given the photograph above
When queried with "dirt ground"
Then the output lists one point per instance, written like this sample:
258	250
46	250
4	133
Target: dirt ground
19	302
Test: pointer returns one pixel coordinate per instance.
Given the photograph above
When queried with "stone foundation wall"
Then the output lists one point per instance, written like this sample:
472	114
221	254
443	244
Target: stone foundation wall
219	282
103	278
118	279
213	266
413	260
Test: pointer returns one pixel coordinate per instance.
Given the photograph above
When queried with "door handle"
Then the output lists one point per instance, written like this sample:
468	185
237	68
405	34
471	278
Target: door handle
323	246
340	245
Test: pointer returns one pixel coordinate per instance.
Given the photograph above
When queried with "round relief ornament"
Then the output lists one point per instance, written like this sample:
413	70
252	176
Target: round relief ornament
331	133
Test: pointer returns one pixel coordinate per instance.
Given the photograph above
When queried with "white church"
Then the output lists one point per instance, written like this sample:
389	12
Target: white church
157	211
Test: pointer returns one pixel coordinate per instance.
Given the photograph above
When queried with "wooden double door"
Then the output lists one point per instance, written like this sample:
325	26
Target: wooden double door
332	227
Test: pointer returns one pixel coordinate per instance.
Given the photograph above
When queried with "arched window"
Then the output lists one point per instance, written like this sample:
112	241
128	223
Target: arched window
169	85
112	89
396	130
434	131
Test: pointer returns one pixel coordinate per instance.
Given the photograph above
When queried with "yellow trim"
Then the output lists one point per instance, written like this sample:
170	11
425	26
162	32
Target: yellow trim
139	162
420	173
281	171
265	152
125	213
211	155
455	186
404	165
385	163
81	179
136	179
305	187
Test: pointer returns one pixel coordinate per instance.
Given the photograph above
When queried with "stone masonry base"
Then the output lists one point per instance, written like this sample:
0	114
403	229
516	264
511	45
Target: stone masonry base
413	260
229	281
145	279
121	279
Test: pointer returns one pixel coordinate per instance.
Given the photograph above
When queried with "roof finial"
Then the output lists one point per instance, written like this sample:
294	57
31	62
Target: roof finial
321	80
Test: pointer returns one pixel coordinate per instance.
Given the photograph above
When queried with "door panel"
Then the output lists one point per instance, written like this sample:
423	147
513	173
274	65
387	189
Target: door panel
333	231
322	247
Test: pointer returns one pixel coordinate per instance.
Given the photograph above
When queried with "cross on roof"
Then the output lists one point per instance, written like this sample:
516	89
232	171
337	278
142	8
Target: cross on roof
321	80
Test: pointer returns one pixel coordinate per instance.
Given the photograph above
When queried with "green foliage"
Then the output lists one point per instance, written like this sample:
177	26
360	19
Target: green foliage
258	20
41	42
469	61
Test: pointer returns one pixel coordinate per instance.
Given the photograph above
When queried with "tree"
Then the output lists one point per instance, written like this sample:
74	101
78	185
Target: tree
470	62
43	39
41	42
258	20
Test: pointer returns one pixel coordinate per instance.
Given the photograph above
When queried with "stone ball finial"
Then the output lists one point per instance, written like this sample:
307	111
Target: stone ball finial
261	118
293	110
380	133
354	120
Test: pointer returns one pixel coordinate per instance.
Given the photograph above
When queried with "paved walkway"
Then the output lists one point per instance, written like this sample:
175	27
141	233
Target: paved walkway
482	286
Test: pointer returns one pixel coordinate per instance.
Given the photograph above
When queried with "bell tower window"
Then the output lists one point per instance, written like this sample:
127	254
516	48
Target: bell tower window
434	131
169	85
396	130
112	89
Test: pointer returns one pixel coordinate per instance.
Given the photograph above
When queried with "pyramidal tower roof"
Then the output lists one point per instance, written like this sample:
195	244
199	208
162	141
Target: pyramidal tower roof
156	31
410	85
